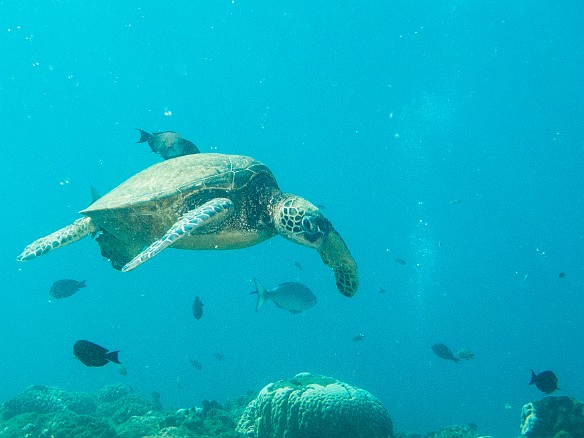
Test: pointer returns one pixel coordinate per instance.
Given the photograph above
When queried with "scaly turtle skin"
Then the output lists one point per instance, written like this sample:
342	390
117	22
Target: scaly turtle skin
201	201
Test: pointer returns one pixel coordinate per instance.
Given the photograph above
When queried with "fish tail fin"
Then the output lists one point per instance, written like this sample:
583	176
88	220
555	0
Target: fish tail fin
94	194
262	292
82	284
112	356
144	136
533	377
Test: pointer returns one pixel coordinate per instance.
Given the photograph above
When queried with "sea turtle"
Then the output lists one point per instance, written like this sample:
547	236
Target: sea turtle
201	201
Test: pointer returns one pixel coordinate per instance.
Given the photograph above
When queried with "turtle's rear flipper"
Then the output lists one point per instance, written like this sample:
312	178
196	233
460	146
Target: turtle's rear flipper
71	233
114	250
209	215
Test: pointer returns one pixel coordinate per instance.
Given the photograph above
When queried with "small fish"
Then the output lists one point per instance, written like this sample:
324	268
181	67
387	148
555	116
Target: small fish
168	144
465	353
122	370
359	337
443	352
197	308
291	296
455	202
219	356
400	261
196	364
562	275
299	266
156	400
65	288
94	355
381	290
545	381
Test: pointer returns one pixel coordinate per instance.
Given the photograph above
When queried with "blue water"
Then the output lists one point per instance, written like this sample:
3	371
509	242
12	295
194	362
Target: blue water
388	114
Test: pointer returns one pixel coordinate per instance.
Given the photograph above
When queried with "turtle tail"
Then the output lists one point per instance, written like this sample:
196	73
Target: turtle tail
79	229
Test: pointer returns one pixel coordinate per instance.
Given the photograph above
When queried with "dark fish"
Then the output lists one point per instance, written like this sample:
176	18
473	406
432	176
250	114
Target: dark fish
156	400
562	275
444	352
359	337
196	364
94	355
545	381
219	356
122	370
291	296
400	261
197	308
65	288
381	290
168	144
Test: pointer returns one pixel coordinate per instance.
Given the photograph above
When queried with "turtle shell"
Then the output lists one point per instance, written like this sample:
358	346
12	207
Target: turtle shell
183	175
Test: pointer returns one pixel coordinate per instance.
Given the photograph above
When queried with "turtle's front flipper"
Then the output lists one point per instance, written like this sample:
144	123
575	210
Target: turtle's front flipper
210	214
71	233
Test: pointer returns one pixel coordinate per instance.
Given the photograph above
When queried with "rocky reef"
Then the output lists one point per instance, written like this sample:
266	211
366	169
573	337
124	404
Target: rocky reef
306	406
115	411
553	417
457	431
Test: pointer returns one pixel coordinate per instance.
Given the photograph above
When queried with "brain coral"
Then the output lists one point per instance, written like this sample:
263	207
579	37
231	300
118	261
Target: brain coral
313	406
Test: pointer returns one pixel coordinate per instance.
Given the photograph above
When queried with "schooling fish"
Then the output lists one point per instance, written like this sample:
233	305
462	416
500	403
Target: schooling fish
168	144
545	381
197	308
94	355
292	296
442	351
65	288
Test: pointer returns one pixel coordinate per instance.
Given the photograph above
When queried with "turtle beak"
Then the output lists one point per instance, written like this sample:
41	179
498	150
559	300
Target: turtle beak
335	254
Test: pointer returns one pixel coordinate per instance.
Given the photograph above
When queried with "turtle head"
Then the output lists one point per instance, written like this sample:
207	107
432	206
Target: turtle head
303	223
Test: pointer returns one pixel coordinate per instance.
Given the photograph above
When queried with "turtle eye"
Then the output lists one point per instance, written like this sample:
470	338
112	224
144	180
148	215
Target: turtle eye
309	224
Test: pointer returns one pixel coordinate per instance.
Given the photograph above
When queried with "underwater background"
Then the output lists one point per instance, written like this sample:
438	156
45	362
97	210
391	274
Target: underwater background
444	135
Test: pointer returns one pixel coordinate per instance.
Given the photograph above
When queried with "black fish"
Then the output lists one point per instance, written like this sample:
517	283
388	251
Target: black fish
197	308
196	364
168	144
65	288
545	381
562	275
359	337
444	352
219	356
400	261
94	355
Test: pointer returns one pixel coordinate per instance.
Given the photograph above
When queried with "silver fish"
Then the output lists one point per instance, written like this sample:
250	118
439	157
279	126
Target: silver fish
291	296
